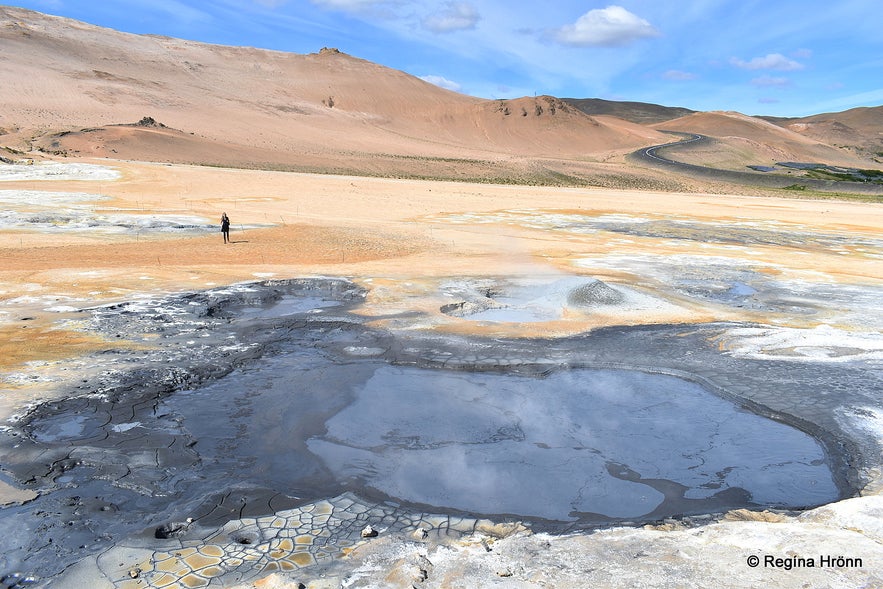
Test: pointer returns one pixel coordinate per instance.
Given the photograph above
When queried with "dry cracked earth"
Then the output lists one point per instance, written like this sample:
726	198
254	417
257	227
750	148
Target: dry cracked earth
439	430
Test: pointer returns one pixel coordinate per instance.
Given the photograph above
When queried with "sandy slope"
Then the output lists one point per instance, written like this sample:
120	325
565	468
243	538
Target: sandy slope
860	128
359	227
250	98
327	111
744	140
395	236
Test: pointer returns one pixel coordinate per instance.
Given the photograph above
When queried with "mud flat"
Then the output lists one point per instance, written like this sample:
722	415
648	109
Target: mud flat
489	393
260	404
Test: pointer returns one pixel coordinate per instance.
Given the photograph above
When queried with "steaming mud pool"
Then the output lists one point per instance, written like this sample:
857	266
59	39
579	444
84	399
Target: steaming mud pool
263	427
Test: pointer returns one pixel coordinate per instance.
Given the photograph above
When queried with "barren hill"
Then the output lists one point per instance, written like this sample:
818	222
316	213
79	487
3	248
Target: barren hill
637	112
859	130
250	106
71	88
741	140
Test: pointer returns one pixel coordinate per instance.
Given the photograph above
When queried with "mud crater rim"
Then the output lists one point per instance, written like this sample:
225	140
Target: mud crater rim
324	335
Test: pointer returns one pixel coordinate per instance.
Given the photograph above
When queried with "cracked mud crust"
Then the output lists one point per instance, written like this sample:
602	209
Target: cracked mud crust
290	540
125	459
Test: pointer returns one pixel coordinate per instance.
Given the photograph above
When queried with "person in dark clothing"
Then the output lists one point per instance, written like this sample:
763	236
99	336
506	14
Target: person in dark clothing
225	227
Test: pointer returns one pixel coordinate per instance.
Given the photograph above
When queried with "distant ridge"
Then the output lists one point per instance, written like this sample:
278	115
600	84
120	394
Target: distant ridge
257	106
859	129
75	89
643	113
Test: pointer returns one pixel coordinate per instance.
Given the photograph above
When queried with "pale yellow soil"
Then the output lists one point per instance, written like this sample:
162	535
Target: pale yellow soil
395	237
391	232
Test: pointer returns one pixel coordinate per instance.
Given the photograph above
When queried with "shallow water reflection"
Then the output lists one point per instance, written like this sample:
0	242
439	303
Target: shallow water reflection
576	442
576	445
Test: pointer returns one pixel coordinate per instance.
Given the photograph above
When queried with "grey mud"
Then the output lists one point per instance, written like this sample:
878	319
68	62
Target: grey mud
266	426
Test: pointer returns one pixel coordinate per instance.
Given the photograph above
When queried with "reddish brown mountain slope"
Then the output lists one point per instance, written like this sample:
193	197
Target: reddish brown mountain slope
741	140
859	129
63	75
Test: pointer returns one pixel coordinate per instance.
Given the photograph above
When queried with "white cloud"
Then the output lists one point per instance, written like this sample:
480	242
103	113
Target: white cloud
613	26
354	5
442	82
772	61
53	4
679	76
457	16
175	10
770	82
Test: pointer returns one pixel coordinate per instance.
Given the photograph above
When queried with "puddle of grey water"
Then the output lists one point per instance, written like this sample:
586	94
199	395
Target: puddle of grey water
740	289
66	427
574	443
539	300
287	305
520	314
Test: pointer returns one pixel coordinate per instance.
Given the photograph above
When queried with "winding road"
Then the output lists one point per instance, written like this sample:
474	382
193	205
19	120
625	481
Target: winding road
654	156
689	138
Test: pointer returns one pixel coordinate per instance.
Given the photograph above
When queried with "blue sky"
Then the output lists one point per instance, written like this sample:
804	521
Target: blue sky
771	57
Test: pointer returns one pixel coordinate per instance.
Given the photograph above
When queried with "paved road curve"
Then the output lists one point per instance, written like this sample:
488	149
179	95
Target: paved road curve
688	138
657	155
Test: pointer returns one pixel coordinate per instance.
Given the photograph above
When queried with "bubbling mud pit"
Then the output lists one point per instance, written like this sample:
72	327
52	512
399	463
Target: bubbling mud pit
267	425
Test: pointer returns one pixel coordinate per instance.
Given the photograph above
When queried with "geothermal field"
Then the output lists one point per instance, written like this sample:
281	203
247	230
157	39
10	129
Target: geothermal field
425	363
469	374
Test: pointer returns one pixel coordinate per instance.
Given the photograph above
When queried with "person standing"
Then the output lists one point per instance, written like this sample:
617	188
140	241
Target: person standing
225	227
